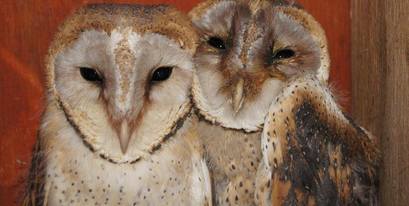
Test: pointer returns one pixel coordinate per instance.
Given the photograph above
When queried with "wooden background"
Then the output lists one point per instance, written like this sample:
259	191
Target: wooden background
26	29
380	88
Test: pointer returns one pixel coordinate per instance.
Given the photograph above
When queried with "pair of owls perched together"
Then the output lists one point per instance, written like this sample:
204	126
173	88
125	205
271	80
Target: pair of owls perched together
230	107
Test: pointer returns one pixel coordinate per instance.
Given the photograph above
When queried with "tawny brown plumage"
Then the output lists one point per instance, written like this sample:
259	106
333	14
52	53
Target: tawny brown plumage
313	154
117	128
247	52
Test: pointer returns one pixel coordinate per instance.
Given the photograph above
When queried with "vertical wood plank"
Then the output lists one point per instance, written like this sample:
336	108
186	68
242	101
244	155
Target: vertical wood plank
368	63
380	87
395	135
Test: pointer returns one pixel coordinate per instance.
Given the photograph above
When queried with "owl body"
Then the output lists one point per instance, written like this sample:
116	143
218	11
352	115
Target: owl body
117	128
248	50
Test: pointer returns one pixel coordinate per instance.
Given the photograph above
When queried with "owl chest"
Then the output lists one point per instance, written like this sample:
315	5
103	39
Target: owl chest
82	178
230	152
233	158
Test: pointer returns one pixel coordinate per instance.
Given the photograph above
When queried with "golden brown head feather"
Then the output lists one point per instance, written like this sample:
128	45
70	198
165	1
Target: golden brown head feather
142	19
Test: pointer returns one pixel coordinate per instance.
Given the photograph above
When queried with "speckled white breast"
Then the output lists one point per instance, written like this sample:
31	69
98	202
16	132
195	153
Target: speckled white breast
173	175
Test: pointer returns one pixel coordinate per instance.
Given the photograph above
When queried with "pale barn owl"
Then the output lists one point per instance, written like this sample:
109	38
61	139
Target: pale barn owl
116	129
247	52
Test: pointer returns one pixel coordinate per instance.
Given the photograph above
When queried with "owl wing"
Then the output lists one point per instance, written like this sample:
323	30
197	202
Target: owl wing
35	194
313	154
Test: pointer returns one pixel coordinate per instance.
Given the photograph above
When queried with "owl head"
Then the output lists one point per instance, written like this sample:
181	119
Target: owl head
121	74
246	51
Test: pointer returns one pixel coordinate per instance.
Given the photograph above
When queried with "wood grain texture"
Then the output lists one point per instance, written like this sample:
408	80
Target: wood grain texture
368	62
380	87
27	27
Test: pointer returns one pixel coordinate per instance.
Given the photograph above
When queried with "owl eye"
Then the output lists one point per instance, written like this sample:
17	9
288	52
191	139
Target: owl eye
284	54
90	74
161	74
217	43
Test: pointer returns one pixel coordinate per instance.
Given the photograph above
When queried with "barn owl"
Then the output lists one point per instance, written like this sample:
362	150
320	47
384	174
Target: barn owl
247	52
117	128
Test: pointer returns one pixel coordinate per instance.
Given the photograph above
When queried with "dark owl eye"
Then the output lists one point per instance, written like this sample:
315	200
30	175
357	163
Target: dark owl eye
217	43
284	54
90	74
161	74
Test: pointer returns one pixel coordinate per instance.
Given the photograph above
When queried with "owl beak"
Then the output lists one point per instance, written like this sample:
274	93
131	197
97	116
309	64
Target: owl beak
238	95
124	136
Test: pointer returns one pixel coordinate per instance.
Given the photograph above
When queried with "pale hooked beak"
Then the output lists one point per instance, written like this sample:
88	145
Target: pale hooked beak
238	95
124	136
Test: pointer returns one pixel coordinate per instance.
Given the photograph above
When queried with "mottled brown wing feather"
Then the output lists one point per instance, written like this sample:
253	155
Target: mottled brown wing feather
316	155
35	183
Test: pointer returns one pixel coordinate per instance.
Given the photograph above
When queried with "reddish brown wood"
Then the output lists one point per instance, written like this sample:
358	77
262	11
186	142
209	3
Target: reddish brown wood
25	33
334	16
